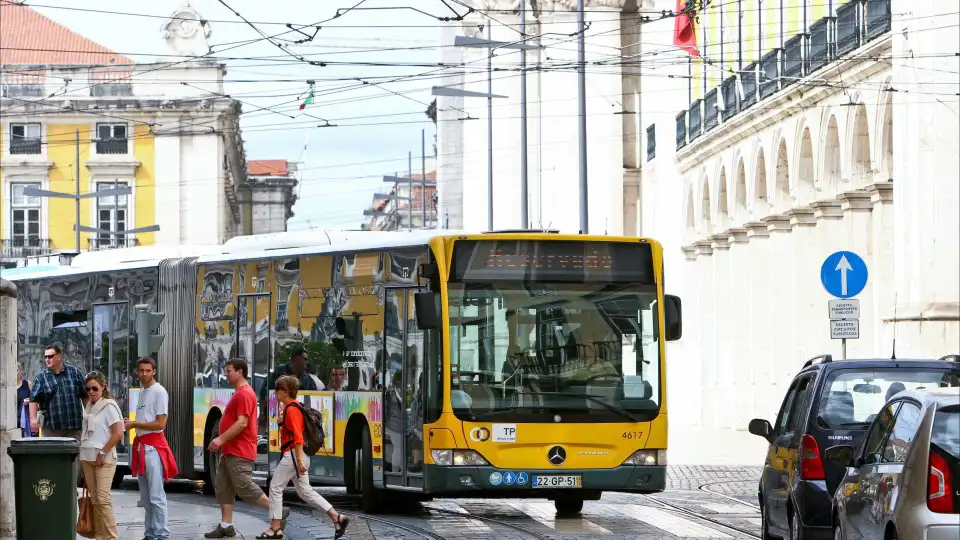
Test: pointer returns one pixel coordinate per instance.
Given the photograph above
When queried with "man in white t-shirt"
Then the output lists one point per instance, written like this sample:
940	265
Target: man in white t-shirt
151	459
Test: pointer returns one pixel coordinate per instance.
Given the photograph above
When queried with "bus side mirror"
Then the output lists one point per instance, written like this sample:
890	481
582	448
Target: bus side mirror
672	317
425	306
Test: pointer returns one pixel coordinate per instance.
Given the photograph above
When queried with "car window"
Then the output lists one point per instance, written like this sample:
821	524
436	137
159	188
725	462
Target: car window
877	436
904	430
852	396
784	415
801	404
946	430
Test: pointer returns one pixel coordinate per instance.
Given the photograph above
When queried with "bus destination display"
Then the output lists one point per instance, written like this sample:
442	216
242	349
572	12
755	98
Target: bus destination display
561	261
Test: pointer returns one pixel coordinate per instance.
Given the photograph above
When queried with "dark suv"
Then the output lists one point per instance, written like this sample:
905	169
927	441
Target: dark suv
829	403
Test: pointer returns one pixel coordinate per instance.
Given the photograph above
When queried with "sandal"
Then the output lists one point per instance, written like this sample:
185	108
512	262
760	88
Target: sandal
271	535
341	523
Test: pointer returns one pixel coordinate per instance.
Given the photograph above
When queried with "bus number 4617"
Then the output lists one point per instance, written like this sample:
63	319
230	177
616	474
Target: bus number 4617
631	434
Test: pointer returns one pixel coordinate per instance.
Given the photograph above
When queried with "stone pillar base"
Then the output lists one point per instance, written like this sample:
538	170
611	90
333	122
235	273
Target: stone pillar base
923	331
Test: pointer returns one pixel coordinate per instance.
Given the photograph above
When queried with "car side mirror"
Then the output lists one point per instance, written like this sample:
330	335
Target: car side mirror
761	428
672	317
427	311
840	455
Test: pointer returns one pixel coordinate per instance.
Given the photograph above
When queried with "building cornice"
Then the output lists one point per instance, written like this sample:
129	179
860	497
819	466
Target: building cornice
826	210
112	167
26	167
798	97
546	6
881	192
801	217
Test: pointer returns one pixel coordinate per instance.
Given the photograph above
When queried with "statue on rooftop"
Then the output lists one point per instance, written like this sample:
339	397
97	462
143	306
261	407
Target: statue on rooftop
186	32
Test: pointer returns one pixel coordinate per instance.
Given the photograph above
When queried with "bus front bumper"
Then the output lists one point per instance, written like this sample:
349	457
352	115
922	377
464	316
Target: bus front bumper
495	482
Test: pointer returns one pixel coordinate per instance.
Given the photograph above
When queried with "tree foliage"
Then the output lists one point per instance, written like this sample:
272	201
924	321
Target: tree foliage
322	355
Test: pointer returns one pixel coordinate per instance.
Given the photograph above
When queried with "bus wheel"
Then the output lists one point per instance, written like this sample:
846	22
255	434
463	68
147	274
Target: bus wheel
568	506
369	495
211	460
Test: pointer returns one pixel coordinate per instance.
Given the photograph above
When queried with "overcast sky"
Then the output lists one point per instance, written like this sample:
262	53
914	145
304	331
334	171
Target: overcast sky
342	166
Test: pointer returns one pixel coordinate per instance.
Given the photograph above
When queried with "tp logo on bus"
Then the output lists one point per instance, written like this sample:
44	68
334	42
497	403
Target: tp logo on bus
479	434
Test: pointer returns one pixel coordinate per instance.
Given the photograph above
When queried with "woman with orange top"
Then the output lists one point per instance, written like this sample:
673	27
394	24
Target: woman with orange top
293	463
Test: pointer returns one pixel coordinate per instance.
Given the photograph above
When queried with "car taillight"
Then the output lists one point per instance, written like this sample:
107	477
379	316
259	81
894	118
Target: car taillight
939	486
811	466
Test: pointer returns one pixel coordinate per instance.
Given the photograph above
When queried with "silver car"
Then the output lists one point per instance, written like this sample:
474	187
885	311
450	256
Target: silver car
904	480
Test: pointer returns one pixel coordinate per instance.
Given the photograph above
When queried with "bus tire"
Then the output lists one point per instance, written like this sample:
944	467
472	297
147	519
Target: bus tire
568	506
211	460
369	495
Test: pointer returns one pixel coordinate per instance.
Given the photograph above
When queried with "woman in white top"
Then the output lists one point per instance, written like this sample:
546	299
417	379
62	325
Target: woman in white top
102	430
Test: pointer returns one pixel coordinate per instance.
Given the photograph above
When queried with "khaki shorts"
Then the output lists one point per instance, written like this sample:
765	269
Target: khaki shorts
235	479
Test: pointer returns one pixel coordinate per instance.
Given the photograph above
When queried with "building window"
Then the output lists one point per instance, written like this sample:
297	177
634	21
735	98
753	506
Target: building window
25	138
111	138
24	216
651	141
112	215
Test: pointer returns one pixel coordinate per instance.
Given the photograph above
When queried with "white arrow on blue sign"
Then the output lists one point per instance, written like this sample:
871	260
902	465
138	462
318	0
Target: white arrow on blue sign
844	274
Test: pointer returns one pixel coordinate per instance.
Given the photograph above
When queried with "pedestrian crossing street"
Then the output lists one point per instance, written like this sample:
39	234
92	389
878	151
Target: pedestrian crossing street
598	519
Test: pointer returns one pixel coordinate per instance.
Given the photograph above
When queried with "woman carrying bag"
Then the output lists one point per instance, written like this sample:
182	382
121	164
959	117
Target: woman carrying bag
102	430
293	463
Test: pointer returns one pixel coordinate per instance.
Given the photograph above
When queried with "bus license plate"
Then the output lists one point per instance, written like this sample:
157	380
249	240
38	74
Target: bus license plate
557	481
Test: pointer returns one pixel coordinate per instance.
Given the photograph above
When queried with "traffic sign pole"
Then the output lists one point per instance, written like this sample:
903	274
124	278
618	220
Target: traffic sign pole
844	276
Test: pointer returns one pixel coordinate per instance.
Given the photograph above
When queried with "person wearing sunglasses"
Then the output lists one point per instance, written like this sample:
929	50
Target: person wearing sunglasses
102	430
57	398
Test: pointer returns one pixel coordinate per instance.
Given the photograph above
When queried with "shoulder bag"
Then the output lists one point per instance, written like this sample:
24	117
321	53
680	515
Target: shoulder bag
85	526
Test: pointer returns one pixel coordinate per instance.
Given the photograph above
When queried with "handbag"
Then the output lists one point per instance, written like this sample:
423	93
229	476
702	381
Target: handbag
85	526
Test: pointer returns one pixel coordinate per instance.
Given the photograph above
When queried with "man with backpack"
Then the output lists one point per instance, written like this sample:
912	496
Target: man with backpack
301	436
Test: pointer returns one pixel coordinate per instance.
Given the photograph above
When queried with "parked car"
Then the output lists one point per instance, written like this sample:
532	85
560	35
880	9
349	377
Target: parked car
829	403
904	480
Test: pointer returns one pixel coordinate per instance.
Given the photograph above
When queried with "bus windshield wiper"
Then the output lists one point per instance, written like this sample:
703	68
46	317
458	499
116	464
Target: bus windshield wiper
596	399
476	416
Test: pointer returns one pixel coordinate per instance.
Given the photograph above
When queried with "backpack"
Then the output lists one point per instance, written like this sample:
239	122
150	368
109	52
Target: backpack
313	435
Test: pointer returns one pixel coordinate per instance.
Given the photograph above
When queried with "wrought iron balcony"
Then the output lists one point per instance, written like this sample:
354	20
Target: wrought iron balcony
793	60
711	114
731	98
100	243
770	73
848	27
19	247
25	146
878	18
112	146
748	79
820	44
695	120
681	129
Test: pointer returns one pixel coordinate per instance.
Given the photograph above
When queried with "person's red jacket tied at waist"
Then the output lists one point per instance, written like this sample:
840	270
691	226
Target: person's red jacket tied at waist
158	441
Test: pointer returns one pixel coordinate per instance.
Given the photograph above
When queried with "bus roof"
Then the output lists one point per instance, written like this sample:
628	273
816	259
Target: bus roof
282	245
112	260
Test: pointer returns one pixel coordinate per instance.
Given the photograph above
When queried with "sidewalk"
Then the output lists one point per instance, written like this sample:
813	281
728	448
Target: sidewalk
185	520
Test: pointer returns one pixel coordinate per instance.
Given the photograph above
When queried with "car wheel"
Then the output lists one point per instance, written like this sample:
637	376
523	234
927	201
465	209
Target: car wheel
837	532
796	533
764	527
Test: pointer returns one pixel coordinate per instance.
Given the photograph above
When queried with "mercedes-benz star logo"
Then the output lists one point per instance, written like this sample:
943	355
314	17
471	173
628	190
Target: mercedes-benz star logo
556	455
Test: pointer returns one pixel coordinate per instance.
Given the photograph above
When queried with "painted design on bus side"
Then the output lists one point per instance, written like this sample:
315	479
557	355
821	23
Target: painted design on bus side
320	401
369	404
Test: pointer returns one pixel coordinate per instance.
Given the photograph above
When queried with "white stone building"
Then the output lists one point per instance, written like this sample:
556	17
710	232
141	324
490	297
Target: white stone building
848	142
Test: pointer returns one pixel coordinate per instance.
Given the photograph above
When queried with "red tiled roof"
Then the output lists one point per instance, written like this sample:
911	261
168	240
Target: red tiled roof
267	167
31	38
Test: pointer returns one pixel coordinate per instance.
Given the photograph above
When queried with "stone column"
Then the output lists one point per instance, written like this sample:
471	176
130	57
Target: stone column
722	295
740	281
831	238
884	297
705	349
755	351
780	319
8	409
685	362
805	280
926	169
856	207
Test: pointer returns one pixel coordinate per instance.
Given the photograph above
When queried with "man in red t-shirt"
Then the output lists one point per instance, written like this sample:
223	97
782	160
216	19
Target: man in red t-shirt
237	444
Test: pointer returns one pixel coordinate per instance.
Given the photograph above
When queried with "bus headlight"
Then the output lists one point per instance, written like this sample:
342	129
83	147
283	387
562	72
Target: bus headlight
457	458
647	457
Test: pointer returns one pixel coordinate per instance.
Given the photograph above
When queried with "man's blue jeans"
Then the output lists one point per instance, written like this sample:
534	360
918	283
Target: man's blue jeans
152	497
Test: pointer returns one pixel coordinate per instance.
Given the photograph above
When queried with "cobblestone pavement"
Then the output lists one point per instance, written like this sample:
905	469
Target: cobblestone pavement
725	507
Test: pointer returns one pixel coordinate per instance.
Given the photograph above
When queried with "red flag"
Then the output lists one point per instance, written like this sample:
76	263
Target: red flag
685	28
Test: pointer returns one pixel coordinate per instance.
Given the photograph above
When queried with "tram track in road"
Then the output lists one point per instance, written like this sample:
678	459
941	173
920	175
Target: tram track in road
492	521
704	488
668	506
406	527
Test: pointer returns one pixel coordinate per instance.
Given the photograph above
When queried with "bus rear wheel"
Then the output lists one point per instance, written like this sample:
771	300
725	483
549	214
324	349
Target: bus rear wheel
363	470
568	506
211	460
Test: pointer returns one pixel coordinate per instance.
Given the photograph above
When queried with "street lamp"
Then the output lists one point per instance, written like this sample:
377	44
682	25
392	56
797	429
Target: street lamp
480	43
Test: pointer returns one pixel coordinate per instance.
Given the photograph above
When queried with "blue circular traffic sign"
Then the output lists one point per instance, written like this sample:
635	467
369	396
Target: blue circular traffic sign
844	274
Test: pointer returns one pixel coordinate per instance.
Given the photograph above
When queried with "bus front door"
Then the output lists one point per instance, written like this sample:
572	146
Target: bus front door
403	402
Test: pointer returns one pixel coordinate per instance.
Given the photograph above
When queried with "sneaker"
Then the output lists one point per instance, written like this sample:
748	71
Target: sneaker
220	532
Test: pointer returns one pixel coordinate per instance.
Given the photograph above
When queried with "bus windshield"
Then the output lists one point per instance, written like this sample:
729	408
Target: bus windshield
568	352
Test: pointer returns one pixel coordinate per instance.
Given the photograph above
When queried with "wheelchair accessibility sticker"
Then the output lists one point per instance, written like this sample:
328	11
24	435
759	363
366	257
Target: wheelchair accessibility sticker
521	479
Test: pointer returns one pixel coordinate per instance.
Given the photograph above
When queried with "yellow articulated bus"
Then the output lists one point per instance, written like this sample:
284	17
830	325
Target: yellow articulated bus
506	364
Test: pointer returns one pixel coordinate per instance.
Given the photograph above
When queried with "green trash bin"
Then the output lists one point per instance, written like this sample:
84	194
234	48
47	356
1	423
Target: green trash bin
45	484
